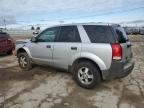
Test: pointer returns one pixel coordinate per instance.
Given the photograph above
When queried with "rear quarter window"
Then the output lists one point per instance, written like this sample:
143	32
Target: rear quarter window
99	34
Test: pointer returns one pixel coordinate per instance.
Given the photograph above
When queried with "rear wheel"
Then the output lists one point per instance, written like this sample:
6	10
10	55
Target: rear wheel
9	52
24	61
86	74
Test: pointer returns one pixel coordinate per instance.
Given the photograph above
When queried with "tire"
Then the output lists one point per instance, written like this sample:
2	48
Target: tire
9	52
89	80
24	61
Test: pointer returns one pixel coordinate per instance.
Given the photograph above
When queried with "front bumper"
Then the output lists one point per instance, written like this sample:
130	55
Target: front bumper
118	69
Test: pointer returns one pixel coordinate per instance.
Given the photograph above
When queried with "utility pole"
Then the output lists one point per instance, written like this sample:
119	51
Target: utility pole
4	23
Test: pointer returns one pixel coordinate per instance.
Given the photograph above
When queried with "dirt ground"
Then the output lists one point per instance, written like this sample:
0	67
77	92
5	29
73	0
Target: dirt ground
44	87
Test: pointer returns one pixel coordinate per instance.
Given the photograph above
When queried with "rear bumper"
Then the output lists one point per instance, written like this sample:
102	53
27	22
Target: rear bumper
118	69
6	49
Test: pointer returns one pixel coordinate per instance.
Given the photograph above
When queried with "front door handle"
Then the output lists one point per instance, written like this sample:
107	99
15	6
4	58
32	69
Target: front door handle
73	48
48	46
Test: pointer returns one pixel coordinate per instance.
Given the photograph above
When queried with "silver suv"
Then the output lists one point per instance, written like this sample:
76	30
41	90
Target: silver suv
92	52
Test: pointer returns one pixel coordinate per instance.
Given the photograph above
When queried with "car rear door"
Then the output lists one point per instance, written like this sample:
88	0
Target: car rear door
67	45
5	42
124	42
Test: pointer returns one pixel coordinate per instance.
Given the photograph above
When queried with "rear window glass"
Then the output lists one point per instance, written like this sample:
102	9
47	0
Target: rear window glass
122	37
99	34
2	34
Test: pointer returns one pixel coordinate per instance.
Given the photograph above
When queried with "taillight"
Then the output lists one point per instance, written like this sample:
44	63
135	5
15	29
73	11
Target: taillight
116	51
9	40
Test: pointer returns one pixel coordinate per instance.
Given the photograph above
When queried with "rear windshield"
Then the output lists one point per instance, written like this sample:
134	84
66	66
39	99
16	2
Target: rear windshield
99	34
122	37
2	34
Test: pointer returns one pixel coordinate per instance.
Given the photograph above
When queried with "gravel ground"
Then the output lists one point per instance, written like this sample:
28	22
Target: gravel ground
44	87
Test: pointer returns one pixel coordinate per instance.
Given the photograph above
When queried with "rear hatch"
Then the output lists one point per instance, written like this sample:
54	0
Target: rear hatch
124	42
5	42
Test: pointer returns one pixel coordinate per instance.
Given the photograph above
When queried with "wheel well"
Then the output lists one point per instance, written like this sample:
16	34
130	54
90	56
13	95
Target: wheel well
21	50
86	59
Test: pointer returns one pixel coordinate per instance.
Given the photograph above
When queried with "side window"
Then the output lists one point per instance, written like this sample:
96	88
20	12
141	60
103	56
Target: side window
69	34
99	34
48	35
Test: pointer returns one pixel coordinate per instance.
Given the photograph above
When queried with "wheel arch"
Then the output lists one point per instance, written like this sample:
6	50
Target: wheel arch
23	49
82	59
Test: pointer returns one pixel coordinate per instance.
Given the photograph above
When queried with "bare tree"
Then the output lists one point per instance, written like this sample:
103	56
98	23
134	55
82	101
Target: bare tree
32	28
38	28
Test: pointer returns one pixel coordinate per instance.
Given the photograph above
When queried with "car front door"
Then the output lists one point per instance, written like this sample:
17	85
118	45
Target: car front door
42	50
67	45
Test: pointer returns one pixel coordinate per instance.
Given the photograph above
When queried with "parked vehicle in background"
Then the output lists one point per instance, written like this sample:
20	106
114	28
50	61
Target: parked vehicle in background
128	30
135	31
141	31
92	52
6	43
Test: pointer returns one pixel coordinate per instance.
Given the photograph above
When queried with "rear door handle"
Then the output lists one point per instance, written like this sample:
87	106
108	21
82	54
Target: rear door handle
73	48
48	46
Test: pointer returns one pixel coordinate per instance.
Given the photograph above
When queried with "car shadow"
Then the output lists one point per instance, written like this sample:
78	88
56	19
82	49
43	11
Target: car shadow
15	73
4	55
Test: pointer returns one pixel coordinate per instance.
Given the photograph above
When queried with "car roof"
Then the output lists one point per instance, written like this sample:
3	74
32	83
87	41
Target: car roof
3	33
90	23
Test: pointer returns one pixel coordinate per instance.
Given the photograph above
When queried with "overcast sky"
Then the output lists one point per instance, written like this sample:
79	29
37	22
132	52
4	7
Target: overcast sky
53	11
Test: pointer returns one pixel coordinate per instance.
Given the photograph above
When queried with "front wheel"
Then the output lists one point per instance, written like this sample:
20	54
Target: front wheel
24	61
86	74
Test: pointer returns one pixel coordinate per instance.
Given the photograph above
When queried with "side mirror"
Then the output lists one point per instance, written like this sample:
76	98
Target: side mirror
33	39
